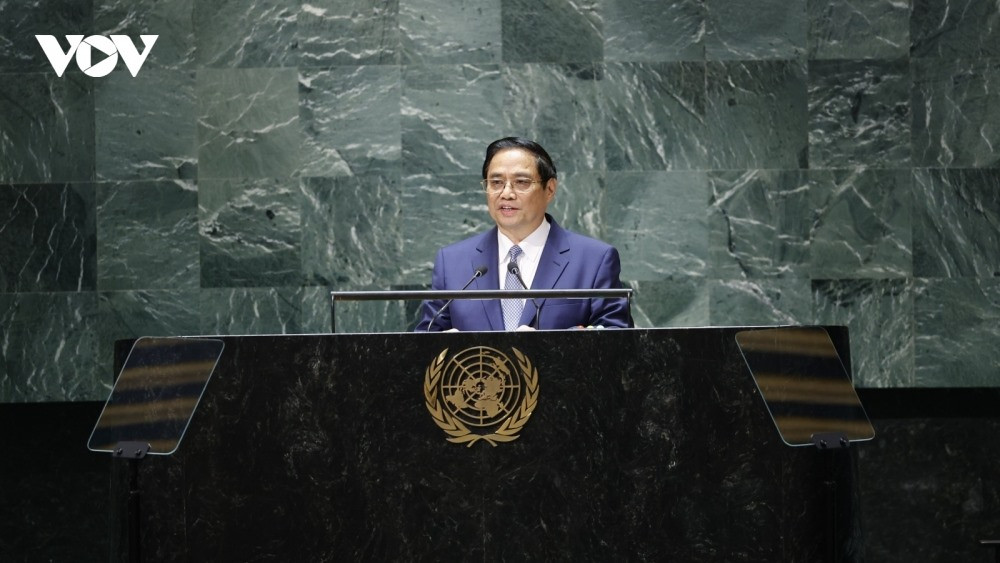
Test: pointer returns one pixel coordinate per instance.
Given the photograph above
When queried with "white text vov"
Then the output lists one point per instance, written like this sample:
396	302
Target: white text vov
83	49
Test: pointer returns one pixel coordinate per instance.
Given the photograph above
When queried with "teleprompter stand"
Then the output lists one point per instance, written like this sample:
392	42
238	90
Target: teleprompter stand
810	397
156	394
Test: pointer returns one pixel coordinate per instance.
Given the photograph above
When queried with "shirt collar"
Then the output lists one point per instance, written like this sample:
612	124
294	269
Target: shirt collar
531	246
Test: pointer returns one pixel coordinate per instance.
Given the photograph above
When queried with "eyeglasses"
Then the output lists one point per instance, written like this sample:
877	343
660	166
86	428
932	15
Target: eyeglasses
494	186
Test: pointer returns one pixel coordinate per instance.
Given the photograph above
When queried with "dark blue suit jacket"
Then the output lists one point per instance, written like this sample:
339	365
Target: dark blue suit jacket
569	261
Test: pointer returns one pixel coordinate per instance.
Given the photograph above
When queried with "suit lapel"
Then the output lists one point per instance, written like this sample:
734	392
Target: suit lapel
487	256
552	263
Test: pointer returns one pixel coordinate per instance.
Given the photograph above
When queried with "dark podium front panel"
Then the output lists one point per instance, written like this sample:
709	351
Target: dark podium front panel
643	445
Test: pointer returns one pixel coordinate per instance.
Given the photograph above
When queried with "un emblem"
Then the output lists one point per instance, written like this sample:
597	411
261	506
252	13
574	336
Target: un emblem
481	394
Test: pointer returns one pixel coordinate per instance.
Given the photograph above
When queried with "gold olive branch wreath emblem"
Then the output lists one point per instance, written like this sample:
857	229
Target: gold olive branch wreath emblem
459	433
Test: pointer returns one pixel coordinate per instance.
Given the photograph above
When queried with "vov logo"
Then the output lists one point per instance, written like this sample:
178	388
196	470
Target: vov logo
84	49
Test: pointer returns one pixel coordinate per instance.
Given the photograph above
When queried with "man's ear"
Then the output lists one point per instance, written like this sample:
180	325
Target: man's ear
551	185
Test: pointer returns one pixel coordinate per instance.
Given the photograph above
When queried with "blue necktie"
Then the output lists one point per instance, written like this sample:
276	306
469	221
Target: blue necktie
512	307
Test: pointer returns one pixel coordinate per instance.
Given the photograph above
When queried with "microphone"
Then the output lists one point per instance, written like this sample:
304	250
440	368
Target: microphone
480	271
513	269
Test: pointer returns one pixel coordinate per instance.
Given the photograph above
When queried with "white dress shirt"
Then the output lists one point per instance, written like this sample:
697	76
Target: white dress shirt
532	252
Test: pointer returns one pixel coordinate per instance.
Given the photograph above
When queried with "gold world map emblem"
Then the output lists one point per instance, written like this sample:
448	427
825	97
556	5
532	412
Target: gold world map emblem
481	394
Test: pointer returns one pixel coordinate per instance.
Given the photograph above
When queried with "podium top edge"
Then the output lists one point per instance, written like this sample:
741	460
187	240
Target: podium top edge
480	294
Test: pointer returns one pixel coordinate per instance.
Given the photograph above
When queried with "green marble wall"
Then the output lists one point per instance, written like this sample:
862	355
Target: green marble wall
755	161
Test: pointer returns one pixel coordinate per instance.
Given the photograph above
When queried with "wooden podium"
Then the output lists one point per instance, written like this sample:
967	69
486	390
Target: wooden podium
642	445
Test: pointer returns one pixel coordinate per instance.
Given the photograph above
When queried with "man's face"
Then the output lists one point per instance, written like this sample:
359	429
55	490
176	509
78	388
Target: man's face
518	215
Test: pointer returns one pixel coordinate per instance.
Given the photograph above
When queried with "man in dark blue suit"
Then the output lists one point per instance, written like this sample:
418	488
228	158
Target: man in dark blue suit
520	182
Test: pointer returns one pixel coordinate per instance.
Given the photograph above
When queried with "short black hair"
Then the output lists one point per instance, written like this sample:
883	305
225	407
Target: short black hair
546	169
